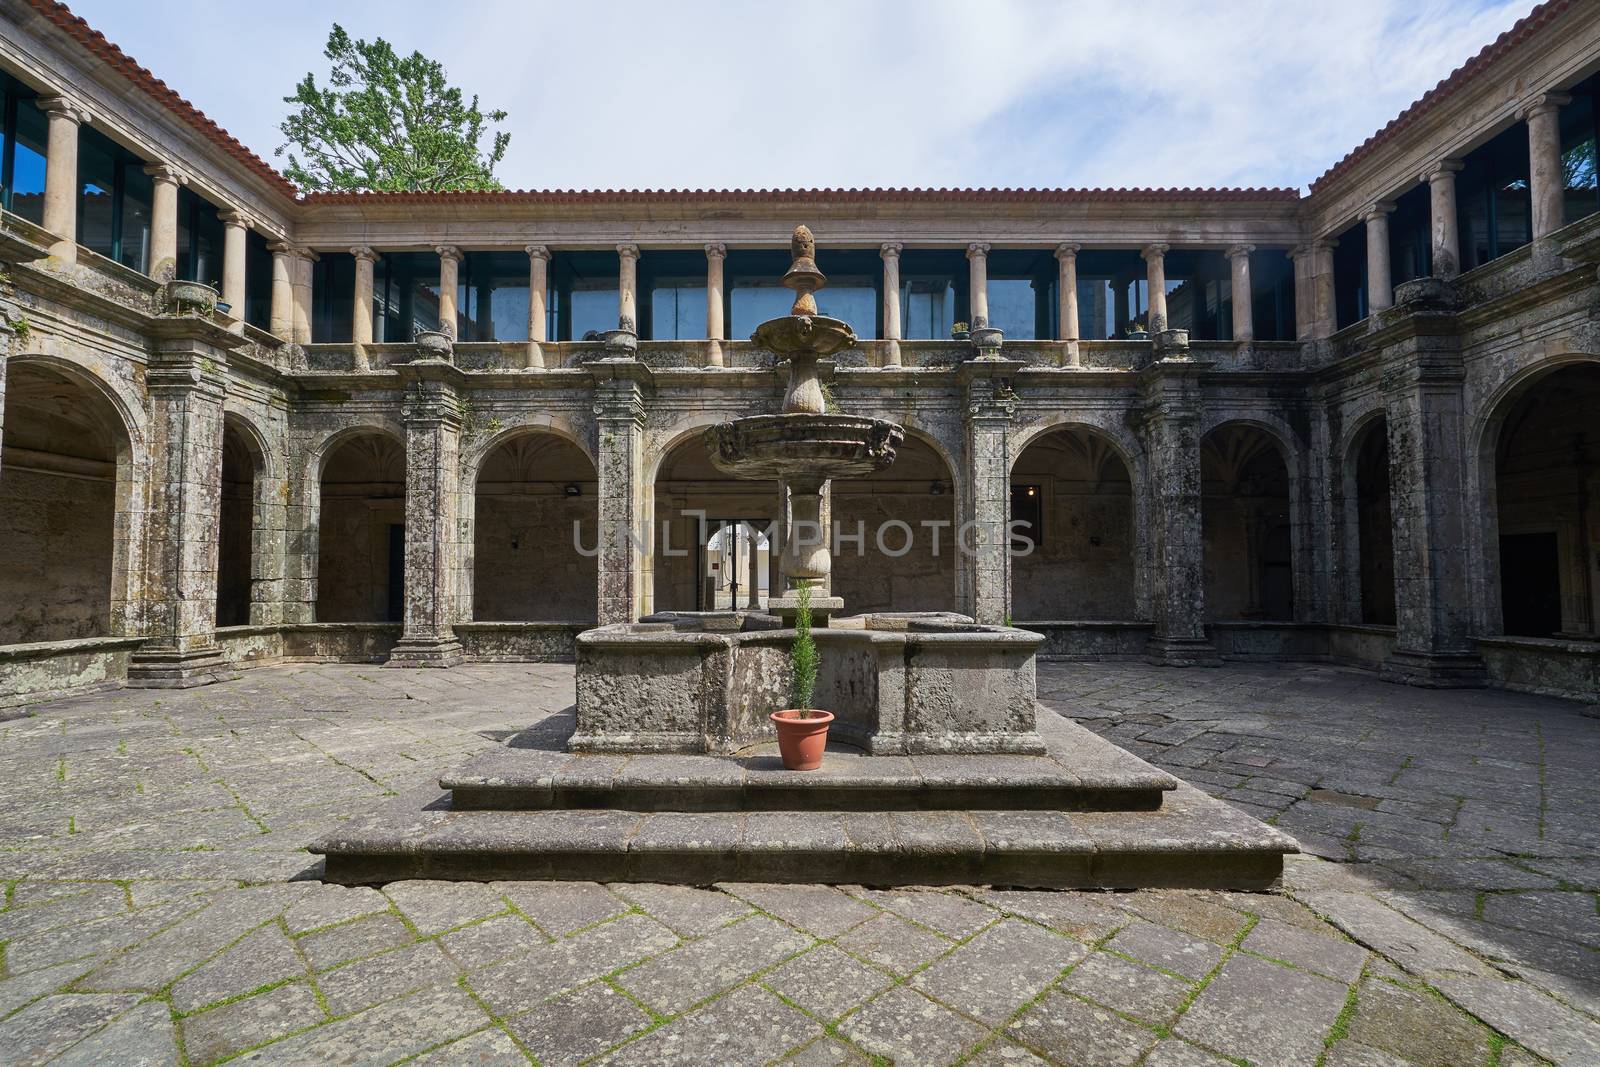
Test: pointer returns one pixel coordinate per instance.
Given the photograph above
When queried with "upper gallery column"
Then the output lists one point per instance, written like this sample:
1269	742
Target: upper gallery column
1546	178
890	253
716	254
1241	291
280	320
538	287
1322	291
235	225
361	305
1155	265
61	175
449	275
628	288
1442	205
978	283
164	182
1380	289
301	278
1067	298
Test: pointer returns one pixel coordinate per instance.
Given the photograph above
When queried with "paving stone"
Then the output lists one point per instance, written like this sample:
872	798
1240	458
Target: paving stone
1075	1032
331	904
384	1034
696	970
1175	1053
825	1052
1077	914
1187	911
826	982
48	1027
1171	950
749	1026
687	911
1003	1052
951	914
893	944
820	910
1355	1054
1327	956
904	1026
223	1031
492	940
362	937
1570	916
1145	994
144	1037
1528	1017
356	986
433	907
15	992
1264	1013
88	902
486	1048
521	983
156	962
1416	1026
1409	943
579	1025
1006	965
561	908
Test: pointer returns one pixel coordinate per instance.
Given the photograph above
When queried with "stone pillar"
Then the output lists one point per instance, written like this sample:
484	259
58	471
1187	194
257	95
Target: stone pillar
538	287
235	225
620	419
978	284
983	538
61	175
432	416
1324	308
1304	317
301	276
361	305
1155	260
716	330
280	320
628	288
449	281
1546	177
164	182
1171	424
1067	300
752	568
1380	292
1442	204
185	495
890	253
1242	293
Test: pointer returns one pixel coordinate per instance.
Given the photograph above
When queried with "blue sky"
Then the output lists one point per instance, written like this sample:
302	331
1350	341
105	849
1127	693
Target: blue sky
625	94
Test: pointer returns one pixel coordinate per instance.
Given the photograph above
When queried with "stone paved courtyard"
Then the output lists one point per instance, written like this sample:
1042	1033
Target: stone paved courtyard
159	907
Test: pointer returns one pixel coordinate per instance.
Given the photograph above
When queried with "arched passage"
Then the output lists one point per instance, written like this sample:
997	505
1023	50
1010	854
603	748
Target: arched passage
535	504
242	467
694	568
64	478
1245	513
911	569
1547	485
1074	488
1374	522
361	535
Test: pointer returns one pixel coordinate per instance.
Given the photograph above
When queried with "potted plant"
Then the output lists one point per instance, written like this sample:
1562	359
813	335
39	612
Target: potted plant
960	332
1137	331
802	730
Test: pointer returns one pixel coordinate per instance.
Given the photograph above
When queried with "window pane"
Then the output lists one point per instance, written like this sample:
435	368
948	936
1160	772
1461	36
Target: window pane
409	291
927	308
1582	195
258	280
754	302
97	185
678	311
1011	307
137	192
854	300
27	176
492	301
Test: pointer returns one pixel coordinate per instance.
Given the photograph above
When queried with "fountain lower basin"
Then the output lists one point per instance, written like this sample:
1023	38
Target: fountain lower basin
803	448
898	684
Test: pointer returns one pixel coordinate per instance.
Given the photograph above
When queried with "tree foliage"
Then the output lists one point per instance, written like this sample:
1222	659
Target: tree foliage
802	654
387	123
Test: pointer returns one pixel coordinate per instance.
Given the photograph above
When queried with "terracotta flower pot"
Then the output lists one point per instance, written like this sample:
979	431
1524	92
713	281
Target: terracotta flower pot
801	741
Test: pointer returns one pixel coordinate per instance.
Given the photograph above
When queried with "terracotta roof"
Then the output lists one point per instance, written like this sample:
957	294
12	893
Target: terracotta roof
905	196
1501	46
124	64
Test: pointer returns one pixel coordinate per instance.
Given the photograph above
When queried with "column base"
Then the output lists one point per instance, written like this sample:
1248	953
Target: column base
1181	652
1436	670
171	669
426	652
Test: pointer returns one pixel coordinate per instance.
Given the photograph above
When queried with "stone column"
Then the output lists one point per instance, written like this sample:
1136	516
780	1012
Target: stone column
716	331
280	320
1442	204
185	495
620	419
1067	300
1304	316
1324	309
1546	178
449	281
164	182
432	416
890	253
1242	292
301	276
628	288
978	284
235	225
983	538
753	571
1171	424
1155	265
361	305
61	175
1380	291
538	287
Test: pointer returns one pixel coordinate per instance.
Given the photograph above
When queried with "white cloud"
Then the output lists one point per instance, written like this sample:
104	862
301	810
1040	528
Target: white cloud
832	93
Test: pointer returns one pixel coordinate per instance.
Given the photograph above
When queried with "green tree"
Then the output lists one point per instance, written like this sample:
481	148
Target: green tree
802	654
387	123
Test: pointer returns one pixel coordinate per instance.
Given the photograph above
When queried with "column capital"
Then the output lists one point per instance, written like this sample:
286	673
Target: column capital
450	252
64	107
716	250
1377	210
1068	250
1154	250
364	253
1543	104
977	248
1441	169
891	249
537	251
628	251
166	172
1239	251
293	251
235	217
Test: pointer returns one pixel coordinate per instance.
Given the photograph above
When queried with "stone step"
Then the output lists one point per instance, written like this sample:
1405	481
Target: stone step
1078	772
1191	841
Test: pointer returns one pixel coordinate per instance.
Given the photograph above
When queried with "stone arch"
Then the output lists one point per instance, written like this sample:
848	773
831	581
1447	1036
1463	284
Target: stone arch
1293	449
358	527
480	448
1248	522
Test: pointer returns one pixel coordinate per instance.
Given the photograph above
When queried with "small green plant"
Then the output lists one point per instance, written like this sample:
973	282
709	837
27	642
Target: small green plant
830	402
959	329
802	656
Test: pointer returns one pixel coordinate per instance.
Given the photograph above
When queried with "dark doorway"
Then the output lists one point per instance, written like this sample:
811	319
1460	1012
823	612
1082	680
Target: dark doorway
397	571
1530	583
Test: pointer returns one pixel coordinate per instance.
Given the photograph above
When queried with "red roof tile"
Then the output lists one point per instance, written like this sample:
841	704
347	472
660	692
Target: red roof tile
906	196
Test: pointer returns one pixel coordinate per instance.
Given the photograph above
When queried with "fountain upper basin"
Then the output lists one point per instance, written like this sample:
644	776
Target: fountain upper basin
803	447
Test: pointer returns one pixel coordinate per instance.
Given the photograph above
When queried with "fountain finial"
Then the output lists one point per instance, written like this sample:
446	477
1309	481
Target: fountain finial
804	277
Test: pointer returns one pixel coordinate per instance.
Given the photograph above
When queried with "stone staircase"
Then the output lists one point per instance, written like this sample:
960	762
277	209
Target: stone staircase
1085	814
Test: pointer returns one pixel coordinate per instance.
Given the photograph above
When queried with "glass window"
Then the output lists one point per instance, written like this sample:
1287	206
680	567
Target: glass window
492	301
1582	192
406	297
1011	307
585	301
933	293
257	280
333	287
97	193
1272	279
1411	236
1492	198
22	156
672	296
1350	275
138	194
199	240
1022	285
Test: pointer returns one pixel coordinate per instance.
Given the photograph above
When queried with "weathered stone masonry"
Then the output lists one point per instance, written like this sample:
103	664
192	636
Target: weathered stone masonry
1344	466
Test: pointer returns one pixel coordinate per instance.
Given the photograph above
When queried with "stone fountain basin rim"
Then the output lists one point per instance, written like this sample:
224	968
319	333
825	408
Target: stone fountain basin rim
631	635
